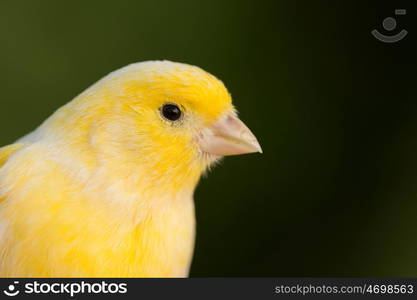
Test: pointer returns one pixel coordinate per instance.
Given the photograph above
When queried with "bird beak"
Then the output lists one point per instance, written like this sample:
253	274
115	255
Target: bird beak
228	136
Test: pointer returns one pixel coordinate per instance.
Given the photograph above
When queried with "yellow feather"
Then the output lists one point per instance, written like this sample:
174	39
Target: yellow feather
7	151
104	188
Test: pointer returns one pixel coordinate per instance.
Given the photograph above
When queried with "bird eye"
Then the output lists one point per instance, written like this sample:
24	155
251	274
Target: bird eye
171	112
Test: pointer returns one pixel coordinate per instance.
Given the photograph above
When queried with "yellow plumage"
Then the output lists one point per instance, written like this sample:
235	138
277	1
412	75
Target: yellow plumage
104	188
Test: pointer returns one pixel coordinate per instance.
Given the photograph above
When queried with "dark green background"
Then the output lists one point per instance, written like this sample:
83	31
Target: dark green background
334	194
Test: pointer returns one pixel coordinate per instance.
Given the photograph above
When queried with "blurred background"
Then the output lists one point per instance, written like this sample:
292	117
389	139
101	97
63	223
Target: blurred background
334	194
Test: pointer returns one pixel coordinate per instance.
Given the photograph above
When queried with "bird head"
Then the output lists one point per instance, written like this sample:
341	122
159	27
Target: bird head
172	119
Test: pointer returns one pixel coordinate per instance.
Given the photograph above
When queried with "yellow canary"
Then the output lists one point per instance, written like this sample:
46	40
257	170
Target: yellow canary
104	187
